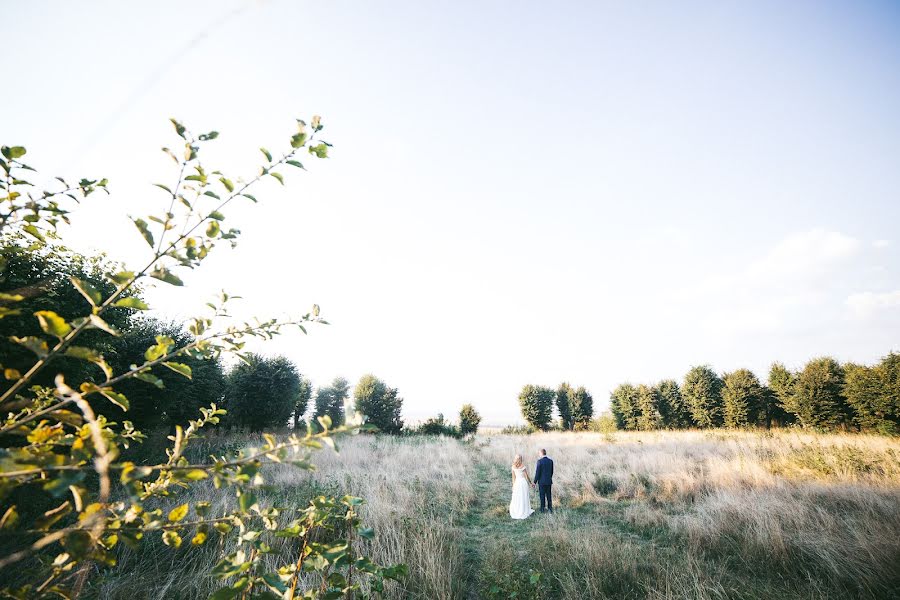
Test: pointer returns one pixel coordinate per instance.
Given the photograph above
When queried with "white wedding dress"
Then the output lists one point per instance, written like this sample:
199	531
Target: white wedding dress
520	505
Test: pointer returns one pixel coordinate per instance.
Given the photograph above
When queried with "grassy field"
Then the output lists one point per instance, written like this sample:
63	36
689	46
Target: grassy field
695	514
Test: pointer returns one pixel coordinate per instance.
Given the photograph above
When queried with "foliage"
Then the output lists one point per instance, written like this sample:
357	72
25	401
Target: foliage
564	406
536	403
261	393
673	410
623	403
702	392
330	400
469	419
874	394
582	404
649	417
743	399
818	399
304	393
59	448
379	404
438	426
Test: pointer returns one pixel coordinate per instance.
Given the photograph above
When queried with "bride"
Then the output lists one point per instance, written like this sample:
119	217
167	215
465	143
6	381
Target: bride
520	505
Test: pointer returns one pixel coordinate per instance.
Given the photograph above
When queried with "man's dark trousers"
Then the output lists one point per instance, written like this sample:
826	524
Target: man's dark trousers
546	495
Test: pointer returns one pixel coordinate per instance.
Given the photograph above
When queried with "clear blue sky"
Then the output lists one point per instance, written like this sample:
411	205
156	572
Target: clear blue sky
518	192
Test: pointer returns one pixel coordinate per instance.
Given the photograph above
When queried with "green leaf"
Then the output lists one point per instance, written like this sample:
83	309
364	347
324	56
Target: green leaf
267	154
298	139
227	183
116	398
132	302
249	196
278	177
34	232
246	501
367	533
205	137
145	230
179	128
295	163
52	324
320	150
179	368
165	275
197	475
150	378
90	293
14	152
164	187
216	215
11	297
213	229
178	513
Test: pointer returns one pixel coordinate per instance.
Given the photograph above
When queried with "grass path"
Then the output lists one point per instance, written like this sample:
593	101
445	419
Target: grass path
487	525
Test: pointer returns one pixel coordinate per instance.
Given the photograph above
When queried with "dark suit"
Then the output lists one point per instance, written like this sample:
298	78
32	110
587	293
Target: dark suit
543	478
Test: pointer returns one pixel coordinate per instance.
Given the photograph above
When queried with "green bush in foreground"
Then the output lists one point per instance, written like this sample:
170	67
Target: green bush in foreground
60	451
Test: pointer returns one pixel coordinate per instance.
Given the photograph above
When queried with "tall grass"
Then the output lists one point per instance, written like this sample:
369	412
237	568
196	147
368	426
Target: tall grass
693	514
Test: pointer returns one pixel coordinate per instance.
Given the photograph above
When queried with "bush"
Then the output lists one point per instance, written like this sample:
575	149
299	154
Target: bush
743	399
438	426
469	419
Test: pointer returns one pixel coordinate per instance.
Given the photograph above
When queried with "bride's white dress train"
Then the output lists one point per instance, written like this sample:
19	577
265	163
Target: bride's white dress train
520	505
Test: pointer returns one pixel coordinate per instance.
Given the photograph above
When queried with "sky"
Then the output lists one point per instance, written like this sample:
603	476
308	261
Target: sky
518	192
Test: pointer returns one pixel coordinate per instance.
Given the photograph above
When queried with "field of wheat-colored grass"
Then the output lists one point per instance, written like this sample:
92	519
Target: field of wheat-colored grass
693	514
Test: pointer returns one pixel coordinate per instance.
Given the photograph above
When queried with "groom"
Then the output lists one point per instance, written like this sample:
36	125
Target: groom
543	478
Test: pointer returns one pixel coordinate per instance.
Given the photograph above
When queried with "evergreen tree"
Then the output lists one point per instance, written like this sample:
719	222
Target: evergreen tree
673	410
648	415
818	399
873	394
623	405
564	406
582	404
702	392
742	398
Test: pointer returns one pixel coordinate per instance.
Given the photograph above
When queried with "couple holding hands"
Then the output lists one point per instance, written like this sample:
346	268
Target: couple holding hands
520	504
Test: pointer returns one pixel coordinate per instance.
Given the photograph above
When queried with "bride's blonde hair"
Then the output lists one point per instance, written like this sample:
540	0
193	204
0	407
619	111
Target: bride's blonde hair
517	461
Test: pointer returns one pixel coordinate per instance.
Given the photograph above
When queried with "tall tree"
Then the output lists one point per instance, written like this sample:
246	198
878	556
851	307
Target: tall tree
780	389
702	391
623	405
564	406
818	399
582	404
873	394
261	392
379	404
536	403
304	394
742	398
322	405
469	419
340	393
673	410
648	415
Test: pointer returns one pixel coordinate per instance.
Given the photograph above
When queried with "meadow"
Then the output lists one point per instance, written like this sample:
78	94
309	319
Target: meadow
687	514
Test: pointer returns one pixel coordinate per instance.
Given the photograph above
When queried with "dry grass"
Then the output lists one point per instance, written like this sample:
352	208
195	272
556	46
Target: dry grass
643	515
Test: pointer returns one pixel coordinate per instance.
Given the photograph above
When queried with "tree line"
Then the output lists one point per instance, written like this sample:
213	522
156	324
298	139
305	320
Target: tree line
823	395
574	406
